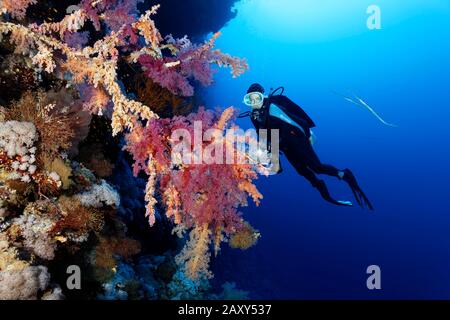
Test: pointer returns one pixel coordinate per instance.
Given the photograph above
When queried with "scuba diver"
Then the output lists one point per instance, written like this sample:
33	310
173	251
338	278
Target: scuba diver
277	111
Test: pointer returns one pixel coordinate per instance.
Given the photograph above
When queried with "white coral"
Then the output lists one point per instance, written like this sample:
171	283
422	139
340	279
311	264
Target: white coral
15	165
55	294
35	230
23	284
99	195
17	138
32	169
54	176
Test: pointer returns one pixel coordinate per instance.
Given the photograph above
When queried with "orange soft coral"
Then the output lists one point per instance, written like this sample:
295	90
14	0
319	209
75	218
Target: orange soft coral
195	256
17	8
245	237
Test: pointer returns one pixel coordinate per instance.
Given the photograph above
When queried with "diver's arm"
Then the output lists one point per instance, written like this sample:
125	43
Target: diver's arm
256	125
276	165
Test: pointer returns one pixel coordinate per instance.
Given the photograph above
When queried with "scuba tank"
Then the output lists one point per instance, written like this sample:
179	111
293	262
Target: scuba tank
272	91
313	137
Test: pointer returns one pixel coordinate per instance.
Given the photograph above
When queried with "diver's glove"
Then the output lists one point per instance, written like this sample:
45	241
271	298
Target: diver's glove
265	159
360	196
275	166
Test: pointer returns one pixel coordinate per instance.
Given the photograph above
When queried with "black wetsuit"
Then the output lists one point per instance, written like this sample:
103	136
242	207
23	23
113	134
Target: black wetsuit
296	146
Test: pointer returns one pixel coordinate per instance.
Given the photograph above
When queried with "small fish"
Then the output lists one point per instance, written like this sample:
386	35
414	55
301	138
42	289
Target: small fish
361	103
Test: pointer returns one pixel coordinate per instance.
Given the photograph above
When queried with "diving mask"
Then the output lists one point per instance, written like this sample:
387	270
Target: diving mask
253	99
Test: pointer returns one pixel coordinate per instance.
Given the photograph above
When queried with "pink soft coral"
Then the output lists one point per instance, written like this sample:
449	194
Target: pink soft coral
116	13
166	76
120	13
189	62
196	194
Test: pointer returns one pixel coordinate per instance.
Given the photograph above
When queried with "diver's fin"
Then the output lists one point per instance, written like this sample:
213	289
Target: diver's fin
360	196
345	203
322	187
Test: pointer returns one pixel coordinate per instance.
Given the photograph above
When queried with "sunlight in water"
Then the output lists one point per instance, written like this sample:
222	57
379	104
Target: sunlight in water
322	20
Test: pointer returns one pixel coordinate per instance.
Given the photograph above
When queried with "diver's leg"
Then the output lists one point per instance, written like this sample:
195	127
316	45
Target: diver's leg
348	177
321	168
313	162
317	183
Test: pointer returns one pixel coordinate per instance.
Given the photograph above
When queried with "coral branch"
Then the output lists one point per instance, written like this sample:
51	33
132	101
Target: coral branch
17	8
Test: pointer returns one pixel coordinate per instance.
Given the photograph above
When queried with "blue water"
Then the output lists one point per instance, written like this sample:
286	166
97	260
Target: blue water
310	249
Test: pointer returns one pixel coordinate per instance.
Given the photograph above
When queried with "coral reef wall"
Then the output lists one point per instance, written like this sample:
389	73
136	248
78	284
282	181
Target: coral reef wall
91	93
